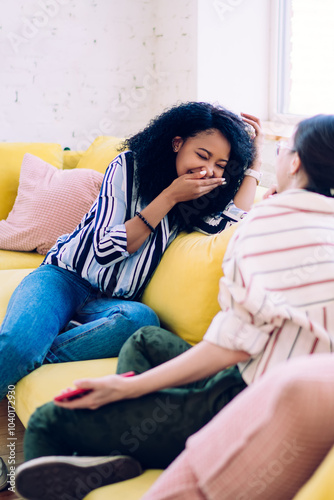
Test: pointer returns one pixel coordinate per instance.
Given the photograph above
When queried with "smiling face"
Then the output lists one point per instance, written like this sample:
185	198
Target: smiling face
208	150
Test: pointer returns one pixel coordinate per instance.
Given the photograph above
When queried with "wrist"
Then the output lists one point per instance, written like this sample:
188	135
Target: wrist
169	198
134	388
256	174
256	165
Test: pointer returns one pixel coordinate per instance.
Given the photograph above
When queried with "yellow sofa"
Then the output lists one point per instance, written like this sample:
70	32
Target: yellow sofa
183	290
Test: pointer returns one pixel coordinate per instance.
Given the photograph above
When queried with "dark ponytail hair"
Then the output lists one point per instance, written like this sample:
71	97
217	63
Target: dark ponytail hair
314	143
155	159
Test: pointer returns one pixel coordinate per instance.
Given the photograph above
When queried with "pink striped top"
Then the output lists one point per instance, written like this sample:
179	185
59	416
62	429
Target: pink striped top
277	293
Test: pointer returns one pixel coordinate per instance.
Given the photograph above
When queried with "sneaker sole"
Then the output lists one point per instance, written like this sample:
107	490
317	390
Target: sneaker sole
66	481
3	476
4	485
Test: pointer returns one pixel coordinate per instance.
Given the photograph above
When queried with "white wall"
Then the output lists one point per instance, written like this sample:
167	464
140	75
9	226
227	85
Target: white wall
233	54
75	69
176	51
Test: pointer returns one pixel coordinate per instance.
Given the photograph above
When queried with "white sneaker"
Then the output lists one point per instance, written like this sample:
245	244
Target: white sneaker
71	478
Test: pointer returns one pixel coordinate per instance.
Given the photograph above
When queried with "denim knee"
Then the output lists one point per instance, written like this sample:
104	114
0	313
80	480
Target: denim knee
22	357
141	314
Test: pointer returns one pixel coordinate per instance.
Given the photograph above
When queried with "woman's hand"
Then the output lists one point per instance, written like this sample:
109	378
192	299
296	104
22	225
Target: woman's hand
192	185
258	138
244	198
199	362
270	192
104	390
189	186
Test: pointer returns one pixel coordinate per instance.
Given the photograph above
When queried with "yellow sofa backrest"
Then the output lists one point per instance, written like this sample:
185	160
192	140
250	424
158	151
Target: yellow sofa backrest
11	156
97	157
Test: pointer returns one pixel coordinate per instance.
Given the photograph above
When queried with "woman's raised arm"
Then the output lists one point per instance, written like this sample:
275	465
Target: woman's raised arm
244	198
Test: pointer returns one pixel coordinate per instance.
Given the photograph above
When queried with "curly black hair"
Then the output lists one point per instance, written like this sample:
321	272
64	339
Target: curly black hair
155	158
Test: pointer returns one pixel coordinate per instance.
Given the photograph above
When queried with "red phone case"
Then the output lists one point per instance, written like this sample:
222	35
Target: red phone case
72	394
79	393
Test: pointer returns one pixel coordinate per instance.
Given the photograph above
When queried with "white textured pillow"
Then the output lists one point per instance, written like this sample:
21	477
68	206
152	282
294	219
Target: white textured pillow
50	202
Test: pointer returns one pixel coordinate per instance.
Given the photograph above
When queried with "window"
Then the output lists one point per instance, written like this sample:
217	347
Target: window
304	58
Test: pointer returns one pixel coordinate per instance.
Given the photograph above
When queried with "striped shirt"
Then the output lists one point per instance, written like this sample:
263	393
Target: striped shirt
277	293
97	248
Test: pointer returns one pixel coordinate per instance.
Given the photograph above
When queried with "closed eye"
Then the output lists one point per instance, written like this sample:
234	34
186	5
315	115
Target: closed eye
205	158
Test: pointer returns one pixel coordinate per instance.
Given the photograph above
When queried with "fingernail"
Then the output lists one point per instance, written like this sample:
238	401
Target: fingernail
203	172
223	181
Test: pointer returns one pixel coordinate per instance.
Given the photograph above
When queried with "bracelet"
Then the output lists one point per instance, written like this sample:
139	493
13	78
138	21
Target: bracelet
141	217
254	173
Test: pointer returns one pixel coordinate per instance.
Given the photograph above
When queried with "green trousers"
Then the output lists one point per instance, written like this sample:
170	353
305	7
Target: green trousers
153	428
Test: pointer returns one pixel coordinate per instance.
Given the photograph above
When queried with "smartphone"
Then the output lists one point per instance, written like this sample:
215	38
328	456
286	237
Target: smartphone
72	394
79	393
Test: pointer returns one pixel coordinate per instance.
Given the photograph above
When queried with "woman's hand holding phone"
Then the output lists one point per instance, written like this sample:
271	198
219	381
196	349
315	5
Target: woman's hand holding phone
70	394
92	393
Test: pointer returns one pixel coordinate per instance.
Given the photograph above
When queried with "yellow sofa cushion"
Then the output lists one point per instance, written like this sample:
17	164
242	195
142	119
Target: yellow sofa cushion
11	156
133	489
71	159
9	279
19	260
321	485
100	153
184	289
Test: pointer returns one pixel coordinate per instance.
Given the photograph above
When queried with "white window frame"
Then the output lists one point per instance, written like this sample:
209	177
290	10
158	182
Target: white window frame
278	76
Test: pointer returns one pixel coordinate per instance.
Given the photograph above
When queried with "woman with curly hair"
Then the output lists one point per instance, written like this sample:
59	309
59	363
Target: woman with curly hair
184	168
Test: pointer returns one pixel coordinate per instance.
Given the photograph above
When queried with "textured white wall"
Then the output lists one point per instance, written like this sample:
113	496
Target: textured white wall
75	69
176	50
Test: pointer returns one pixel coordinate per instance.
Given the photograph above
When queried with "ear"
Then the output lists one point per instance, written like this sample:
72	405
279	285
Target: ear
295	165
177	143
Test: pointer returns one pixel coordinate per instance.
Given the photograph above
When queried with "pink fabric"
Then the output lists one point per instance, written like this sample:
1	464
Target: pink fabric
179	483
50	202
267	442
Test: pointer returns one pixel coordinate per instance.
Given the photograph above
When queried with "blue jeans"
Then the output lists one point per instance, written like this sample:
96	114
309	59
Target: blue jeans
35	330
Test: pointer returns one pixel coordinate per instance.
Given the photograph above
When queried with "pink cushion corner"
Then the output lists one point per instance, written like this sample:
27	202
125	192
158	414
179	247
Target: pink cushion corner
50	202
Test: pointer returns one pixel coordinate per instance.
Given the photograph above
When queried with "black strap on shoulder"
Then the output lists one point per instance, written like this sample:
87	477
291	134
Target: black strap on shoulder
130	182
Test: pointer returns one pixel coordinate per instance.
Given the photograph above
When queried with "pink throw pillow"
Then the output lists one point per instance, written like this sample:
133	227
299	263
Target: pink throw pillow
50	202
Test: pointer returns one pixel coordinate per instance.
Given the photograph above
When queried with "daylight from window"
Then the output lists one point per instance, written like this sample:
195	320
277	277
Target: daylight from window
311	62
